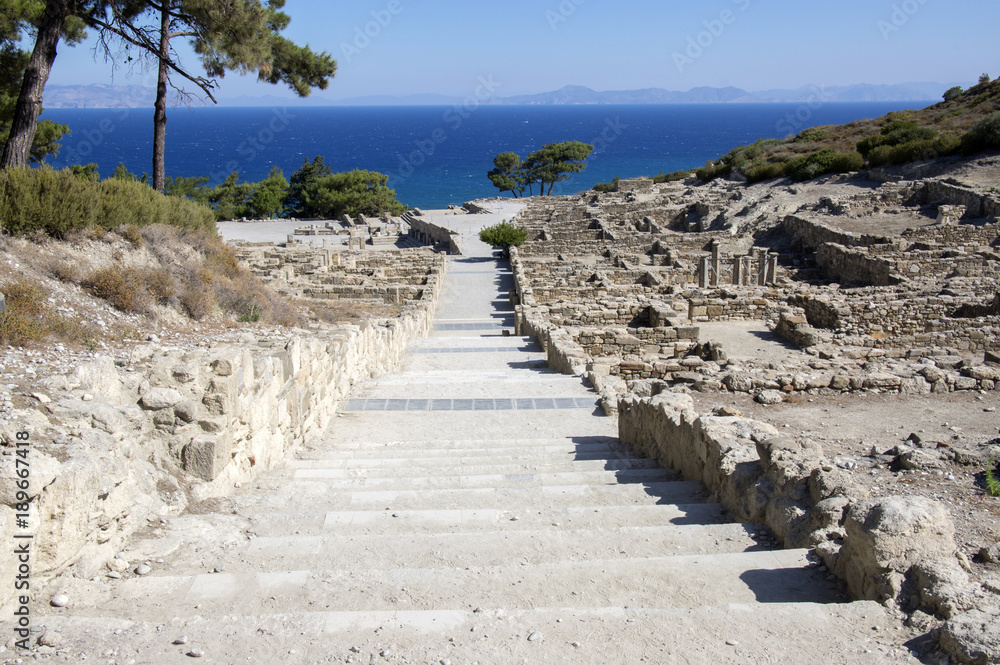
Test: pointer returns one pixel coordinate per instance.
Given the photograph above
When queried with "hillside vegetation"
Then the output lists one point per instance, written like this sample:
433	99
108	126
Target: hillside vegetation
967	122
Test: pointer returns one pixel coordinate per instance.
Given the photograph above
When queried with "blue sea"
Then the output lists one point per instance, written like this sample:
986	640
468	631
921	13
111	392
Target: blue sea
436	156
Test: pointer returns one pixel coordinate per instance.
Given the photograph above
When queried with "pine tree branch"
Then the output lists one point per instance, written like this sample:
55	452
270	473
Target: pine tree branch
138	38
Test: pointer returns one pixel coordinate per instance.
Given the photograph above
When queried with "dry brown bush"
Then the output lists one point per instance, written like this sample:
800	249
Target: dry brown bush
122	287
65	272
21	322
160	285
131	233
197	299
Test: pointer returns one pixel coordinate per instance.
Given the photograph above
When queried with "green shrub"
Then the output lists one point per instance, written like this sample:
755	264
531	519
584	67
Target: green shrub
811	166
504	236
59	202
847	162
812	135
713	170
914	151
992	484
673	176
56	202
607	186
823	162
896	133
984	135
761	171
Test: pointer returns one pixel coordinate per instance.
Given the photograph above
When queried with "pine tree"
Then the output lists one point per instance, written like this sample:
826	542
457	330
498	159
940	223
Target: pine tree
242	36
22	75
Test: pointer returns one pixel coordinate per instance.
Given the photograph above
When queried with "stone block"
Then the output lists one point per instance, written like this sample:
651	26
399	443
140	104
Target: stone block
156	399
691	333
185	373
886	537
207	456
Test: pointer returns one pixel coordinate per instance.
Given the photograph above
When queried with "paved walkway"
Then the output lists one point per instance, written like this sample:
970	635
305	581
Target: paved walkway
471	507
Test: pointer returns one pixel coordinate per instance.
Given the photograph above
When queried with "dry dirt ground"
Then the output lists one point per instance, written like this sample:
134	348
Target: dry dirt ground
850	427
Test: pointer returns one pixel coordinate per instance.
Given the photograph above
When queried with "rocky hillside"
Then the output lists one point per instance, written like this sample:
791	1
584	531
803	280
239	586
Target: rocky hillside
963	123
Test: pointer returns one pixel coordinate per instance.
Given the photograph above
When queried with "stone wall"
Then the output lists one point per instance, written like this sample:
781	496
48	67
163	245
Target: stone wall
814	233
891	549
848	265
117	447
429	233
976	204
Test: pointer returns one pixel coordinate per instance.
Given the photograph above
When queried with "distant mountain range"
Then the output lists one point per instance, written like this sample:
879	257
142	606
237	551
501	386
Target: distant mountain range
856	93
131	96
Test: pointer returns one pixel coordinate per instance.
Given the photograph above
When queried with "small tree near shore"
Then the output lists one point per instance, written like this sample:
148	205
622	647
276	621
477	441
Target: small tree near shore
503	236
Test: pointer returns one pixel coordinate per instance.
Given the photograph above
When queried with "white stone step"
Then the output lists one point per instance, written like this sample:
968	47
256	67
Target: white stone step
303	493
332	448
336	479
485	466
553	544
688	581
500	454
806	633
281	523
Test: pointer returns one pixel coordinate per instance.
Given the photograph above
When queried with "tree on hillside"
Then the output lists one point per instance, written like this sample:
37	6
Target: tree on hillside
354	193
22	75
555	162
295	204
238	35
953	93
508	176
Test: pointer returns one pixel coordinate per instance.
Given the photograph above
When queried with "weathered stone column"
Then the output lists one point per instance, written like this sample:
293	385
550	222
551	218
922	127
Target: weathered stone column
716	264
704	267
761	279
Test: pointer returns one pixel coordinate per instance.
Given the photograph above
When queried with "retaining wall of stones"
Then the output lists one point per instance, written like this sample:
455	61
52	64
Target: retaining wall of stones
892	549
137	444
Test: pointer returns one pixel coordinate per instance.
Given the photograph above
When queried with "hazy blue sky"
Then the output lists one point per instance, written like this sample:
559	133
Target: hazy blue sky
526	46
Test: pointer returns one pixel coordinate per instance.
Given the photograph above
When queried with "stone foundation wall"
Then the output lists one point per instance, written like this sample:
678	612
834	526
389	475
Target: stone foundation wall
754	305
116	447
814	233
976	204
849	265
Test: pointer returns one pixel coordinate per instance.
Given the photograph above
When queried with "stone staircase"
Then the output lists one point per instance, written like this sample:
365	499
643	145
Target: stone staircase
472	508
